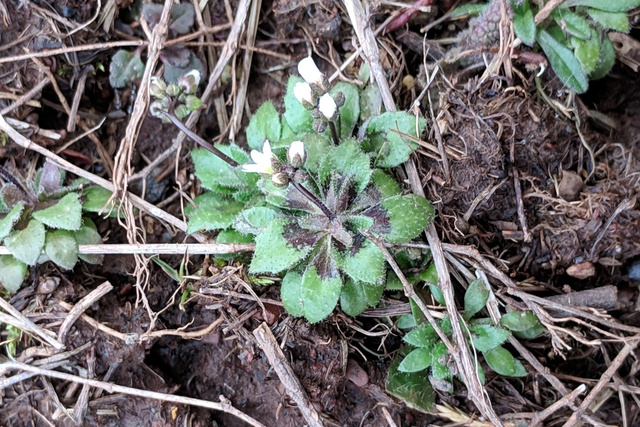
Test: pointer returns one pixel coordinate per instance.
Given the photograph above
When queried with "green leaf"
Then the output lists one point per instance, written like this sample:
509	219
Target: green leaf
401	218
363	262
422	336
26	244
95	198
475	298
587	52
173	72
281	245
212	171
520	369
564	63
531	333
126	67
413	388
170	271
385	184
406	321
321	286
416	361
213	214
468	10
617	21
518	321
488	337
12	273
291	293
605	61
430	275
297	117
62	248
65	214
88	235
353	300
370	102
439	366
6	223
388	137
182	17
254	220
264	125
572	23
437	294
500	360
350	111
348	160
606	5
523	23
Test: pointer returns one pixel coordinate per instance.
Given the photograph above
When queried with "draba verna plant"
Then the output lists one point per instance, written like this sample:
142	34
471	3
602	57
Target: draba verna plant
310	188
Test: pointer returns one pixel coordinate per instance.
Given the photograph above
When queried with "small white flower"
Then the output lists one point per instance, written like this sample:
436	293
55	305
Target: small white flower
304	94
262	161
310	72
196	76
327	107
296	154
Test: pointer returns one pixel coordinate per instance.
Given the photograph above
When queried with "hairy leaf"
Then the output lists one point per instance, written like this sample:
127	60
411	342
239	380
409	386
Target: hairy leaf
363	262
6	223
523	23
572	23
291	293
422	336
297	117
62	248
126	67
213	213
500	360
212	171
617	21
12	273
370	102
518	321
605	61
350	111
347	160
606	5
65	214
413	388
416	361
388	137
587	52
488	337
475	298
401	218
563	61
95	199
50	178
264	125
353	300
321	286
88	235
26	244
439	366
254	220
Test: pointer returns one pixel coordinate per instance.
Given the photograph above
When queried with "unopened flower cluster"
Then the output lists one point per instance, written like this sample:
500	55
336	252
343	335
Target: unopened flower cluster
177	98
267	163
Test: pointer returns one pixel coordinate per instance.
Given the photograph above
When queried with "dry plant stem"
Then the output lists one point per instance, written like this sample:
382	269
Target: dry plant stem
114	388
225	56
81	307
83	48
80	408
29	326
278	361
196	138
546	10
602	382
160	249
75	104
623	206
539	417
69	167
522	218
25	97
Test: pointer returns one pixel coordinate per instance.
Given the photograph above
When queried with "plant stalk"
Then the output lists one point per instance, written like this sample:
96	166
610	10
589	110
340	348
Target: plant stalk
334	133
199	140
309	195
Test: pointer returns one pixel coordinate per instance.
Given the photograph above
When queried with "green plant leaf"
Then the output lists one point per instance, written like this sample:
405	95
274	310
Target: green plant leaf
65	214
406	321
321	286
170	271
348	160
173	72
370	102
291	293
416	361
6	223
606	5
363	262
95	199
388	137
563	61
520	369
353	300
439	367
605	61
437	294
316	147
88	235
523	23
254	220
281	245
350	111
62	248
413	388
430	275
385	184
264	125
126	67
297	117
400	218
518	321
488	337
475	298
213	172
422	336
531	333
500	360
572	23
12	273
213	213
468	10
26	244
182	17
587	52
617	21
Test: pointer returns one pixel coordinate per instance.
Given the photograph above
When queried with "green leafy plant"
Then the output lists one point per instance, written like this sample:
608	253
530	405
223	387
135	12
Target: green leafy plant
312	194
573	37
427	354
43	214
127	67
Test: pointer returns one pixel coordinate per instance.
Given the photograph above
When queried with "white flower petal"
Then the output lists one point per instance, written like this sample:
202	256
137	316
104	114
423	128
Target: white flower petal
310	71
303	93
327	106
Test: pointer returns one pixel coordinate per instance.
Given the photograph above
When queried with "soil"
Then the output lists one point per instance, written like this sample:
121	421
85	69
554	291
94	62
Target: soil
571	182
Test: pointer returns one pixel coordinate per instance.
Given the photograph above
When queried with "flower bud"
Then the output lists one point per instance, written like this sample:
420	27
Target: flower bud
296	154
192	102
173	90
304	95
157	87
189	82
310	72
328	107
156	109
181	111
339	99
280	179
319	125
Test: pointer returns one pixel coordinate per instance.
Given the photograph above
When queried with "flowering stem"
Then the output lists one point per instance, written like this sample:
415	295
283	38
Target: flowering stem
309	195
198	139
334	133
